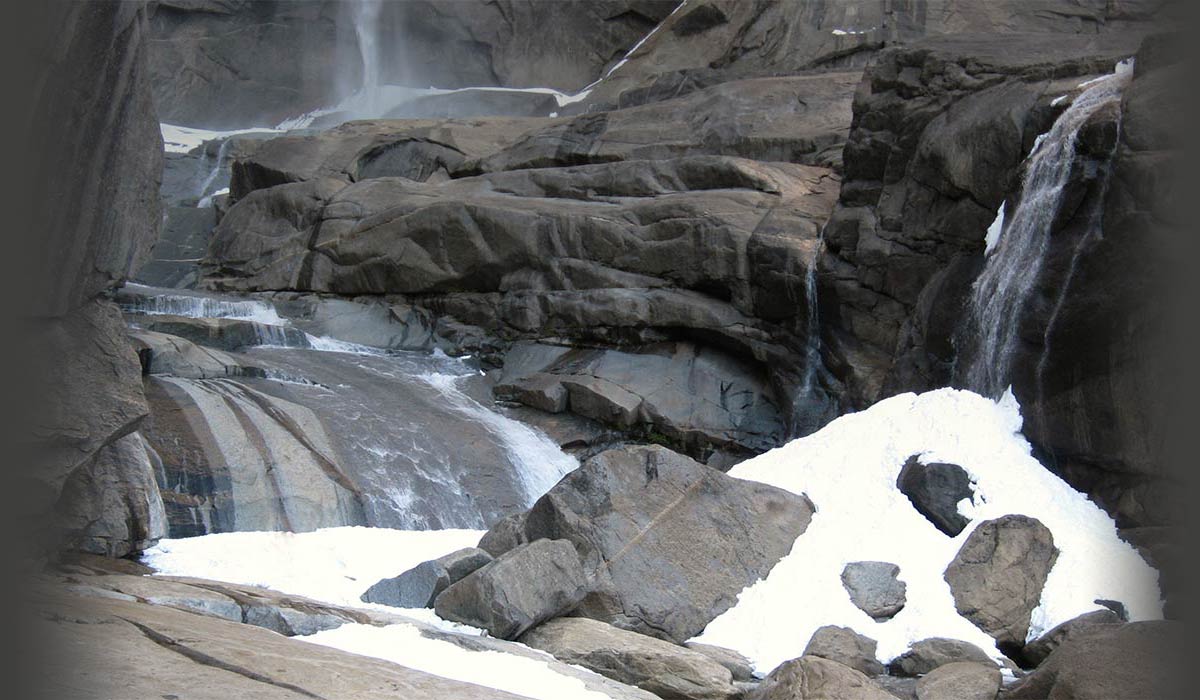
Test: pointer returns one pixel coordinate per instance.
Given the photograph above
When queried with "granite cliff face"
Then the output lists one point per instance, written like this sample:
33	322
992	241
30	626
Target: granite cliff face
98	213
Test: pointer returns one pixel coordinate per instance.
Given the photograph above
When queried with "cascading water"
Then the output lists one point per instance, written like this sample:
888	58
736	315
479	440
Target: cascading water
207	192
366	30
1003	288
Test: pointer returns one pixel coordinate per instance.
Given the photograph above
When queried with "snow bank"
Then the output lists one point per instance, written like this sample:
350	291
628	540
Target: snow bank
849	469
334	565
181	139
404	645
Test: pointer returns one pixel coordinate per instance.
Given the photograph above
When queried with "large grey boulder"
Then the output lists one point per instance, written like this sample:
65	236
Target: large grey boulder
634	515
847	647
1132	660
112	505
814	677
997	576
739	666
874	588
1035	652
961	680
522	588
935	490
419	586
928	654
668	670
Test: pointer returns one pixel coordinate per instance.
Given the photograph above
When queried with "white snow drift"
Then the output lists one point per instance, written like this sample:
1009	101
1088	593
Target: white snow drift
849	469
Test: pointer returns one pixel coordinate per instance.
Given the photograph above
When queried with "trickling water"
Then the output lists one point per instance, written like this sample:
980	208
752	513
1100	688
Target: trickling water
148	300
812	355
206	194
1002	289
366	30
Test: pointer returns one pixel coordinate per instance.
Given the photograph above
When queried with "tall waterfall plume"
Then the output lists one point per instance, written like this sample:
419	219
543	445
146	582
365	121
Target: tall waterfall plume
1014	262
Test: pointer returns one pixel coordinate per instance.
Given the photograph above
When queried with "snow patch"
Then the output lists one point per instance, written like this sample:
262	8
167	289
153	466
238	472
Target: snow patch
334	565
181	139
849	469
404	645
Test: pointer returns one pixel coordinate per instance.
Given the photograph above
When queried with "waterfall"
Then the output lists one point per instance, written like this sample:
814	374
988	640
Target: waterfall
150	301
1018	248
812	354
206	194
366	30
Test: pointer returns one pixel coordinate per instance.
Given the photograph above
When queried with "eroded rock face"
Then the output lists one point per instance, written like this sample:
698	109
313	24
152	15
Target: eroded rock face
633	514
814	677
997	576
519	590
665	669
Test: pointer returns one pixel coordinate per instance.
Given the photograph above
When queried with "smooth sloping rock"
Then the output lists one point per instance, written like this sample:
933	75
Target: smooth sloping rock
928	654
874	588
814	677
524	587
738	665
112	506
419	586
1100	662
847	647
668	670
634	513
935	490
997	576
1036	651
960	680
162	353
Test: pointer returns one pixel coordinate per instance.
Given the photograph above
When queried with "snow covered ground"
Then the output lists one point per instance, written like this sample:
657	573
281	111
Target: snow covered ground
849	469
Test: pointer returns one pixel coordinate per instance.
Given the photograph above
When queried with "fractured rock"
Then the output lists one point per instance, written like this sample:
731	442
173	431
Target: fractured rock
522	588
419	586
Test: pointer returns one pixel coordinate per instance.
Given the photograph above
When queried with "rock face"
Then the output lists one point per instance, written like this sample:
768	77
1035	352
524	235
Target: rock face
935	490
997	576
814	677
633	514
961	680
521	589
847	647
928	654
874	588
227	65
98	147
419	587
667	670
1138	659
651	257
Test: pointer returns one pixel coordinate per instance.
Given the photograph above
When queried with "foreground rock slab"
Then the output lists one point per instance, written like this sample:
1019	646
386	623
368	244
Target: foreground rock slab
524	587
668	670
847	647
634	515
961	680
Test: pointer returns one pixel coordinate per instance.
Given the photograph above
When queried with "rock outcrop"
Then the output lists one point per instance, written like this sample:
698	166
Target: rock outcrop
997	576
98	148
633	514
847	647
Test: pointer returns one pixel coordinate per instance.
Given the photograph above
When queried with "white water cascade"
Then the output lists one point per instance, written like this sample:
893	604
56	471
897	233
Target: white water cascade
1017	252
366	30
